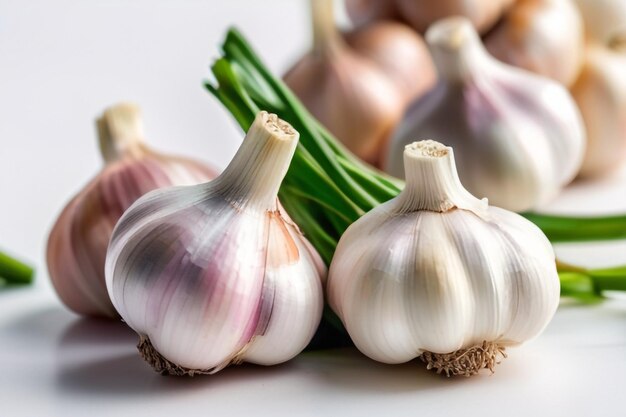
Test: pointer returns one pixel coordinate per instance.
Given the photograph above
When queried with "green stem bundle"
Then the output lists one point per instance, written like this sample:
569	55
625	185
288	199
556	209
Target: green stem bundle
327	188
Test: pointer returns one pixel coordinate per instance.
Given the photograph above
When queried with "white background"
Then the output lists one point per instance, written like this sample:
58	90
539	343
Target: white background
61	64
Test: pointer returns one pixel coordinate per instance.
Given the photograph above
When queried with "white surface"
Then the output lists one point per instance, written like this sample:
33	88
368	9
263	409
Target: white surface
61	63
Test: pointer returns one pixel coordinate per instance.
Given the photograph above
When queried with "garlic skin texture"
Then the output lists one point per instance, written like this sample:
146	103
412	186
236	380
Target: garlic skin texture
519	136
399	52
483	14
600	91
217	273
363	12
438	273
78	241
358	85
542	36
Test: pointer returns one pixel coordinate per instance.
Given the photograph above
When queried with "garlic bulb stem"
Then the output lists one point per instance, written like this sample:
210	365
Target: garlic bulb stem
326	36
456	48
432	182
249	180
120	131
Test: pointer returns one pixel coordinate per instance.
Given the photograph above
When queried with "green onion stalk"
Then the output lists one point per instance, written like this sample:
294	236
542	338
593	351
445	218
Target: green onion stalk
327	188
14	272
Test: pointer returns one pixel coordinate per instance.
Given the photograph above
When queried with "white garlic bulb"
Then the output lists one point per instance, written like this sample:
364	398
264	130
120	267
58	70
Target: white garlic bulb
438	273
217	273
519	136
78	241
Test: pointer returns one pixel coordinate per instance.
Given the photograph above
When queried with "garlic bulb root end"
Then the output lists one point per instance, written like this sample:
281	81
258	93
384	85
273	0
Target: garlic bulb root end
162	365
466	362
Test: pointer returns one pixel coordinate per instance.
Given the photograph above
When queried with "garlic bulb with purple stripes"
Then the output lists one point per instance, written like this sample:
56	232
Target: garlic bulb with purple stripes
217	273
437	273
78	241
519	137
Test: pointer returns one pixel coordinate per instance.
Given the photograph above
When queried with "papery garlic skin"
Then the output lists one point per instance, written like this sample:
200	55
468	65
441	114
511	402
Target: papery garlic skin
542	36
436	270
363	12
78	240
483	14
401	54
217	273
519	136
348	93
600	90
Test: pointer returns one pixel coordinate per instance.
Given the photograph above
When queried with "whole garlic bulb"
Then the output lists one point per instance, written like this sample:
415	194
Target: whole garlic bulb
437	273
600	91
542	36
359	93
217	273
78	241
483	14
519	136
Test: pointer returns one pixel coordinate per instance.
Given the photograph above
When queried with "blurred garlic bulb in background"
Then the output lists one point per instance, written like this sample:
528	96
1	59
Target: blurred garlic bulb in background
600	91
399	52
438	273
518	136
217	273
542	36
362	12
483	14
78	241
359	93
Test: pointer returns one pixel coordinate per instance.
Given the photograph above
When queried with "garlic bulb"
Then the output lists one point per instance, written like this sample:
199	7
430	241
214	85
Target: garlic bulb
519	136
483	14
217	273
600	91
78	241
362	12
348	93
438	273
400	53
543	36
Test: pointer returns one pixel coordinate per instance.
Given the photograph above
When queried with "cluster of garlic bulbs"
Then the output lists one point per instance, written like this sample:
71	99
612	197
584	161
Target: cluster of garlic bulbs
78	241
439	274
217	273
519	137
542	36
600	91
358	84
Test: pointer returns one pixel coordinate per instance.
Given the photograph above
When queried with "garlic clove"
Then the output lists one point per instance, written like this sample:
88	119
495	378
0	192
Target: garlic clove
400	52
542	36
520	136
78	240
600	93
457	282
216	273
483	14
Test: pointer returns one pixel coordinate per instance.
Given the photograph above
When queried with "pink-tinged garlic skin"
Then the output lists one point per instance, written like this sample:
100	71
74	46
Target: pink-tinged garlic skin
542	36
217	273
78	241
483	14
363	12
400	52
519	137
600	93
